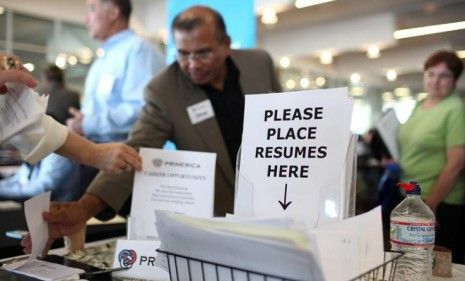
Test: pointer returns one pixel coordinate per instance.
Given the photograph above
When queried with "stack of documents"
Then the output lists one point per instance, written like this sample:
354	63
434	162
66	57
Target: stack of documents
279	248
265	249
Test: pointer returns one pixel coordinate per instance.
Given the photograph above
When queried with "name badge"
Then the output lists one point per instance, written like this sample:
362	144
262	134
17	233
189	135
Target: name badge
200	111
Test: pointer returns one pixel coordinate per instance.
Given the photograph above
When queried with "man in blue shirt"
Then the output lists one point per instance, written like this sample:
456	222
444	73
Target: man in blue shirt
113	93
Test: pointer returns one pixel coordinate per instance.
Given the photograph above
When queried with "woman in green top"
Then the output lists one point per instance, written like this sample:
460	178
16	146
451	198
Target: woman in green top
432	150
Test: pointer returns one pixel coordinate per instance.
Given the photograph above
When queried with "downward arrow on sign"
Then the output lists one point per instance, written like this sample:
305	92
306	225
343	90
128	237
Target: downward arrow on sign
284	204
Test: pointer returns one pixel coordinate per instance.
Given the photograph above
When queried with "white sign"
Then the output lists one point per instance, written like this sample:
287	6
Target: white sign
139	258
176	181
293	154
387	128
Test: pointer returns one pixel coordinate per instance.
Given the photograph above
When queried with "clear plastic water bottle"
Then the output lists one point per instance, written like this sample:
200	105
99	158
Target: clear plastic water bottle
413	232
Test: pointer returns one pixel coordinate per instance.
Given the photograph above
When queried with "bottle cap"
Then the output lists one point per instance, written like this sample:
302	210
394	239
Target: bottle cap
410	187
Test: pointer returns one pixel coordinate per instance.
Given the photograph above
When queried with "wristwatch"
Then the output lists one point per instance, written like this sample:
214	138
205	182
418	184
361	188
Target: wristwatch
9	62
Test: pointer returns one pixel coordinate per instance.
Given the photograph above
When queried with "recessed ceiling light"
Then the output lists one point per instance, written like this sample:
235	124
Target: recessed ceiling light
355	78
391	75
290	84
430	29
326	57
304	82
373	52
284	62
320	81
269	16
461	54
402	92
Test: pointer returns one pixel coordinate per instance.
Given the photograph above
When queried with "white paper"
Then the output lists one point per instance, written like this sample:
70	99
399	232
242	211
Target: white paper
354	244
21	111
387	128
43	270
316	188
38	228
176	181
259	252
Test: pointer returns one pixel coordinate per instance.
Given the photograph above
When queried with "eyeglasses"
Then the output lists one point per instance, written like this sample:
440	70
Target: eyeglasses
200	55
441	76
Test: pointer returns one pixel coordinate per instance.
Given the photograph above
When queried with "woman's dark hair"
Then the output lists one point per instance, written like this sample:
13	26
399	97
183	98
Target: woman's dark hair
453	62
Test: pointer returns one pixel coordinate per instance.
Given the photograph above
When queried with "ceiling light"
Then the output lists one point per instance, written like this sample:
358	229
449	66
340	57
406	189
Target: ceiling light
355	78
85	55
461	54
284	62
290	84
269	16
72	60
373	52
307	3
421	96
402	92
391	75
326	57
357	91
387	96
29	66
320	81
430	29
304	82
60	61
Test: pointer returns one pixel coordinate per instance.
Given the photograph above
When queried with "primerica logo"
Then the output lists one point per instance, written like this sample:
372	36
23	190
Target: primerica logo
157	163
127	258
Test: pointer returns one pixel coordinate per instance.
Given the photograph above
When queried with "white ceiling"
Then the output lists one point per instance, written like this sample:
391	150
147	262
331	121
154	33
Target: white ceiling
344	26
348	26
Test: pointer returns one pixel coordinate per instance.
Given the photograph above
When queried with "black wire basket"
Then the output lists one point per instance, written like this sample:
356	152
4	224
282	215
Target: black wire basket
183	268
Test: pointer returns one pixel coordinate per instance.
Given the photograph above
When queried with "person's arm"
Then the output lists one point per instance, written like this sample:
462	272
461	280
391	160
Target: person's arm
109	157
17	75
455	162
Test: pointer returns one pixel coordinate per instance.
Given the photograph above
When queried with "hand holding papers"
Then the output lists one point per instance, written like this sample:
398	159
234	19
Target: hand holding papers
42	270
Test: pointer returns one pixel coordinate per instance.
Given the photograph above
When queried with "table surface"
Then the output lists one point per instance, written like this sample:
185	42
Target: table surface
100	254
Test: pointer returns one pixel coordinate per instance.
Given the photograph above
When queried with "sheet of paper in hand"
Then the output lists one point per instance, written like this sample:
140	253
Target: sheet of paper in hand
21	109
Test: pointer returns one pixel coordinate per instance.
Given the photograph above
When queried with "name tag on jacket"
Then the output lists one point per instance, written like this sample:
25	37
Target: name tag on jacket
200	111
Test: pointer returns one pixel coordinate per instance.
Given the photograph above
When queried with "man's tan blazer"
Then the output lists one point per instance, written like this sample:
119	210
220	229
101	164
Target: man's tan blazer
164	117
